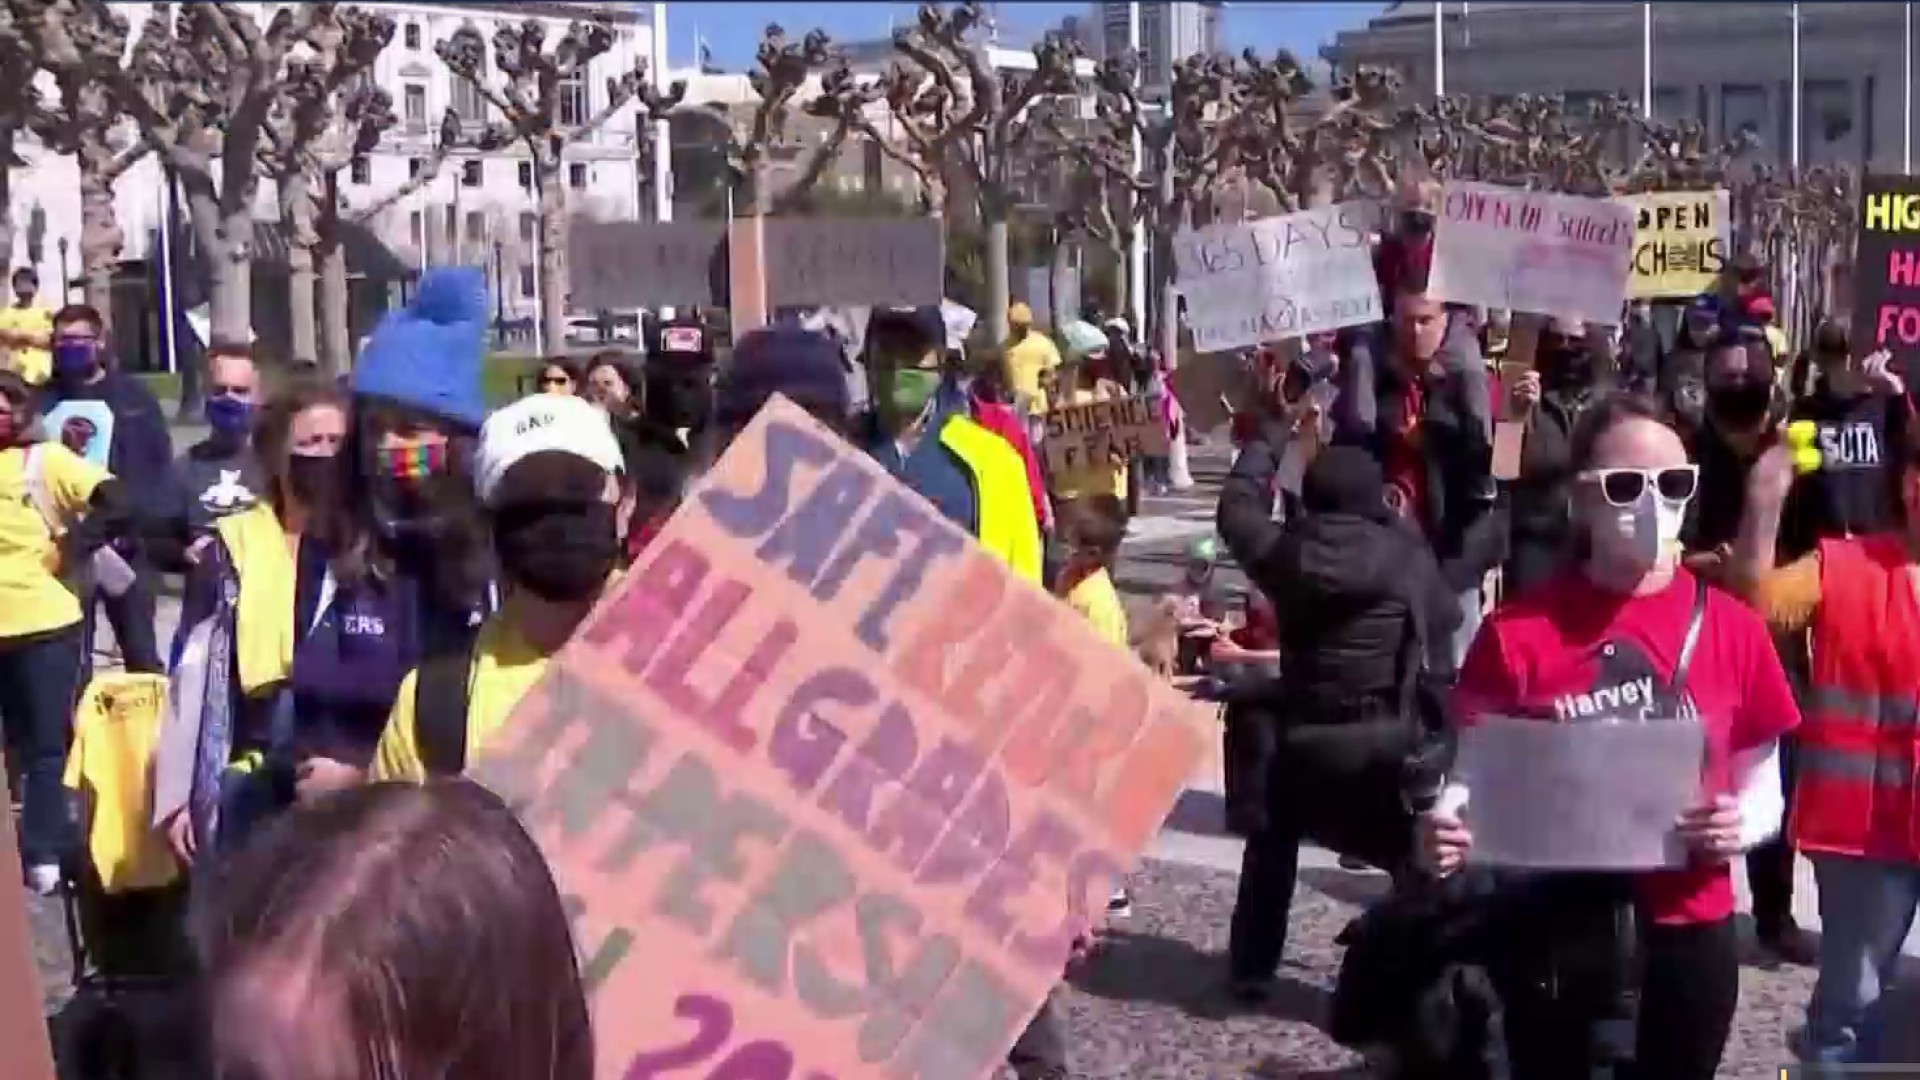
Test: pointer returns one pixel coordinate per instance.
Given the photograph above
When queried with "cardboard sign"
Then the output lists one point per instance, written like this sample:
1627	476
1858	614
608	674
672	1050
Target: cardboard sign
1211	387
829	790
1278	277
23	1024
1563	255
1100	431
1680	242
1886	278
807	262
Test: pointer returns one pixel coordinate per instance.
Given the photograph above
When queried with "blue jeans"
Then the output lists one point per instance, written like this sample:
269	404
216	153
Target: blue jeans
39	687
1866	909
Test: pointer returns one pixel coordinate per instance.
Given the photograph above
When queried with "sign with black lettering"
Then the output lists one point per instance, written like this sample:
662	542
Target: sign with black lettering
1680	242
1099	431
1278	277
1886	293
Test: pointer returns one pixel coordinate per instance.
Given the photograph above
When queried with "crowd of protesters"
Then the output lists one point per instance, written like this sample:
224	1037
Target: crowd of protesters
378	569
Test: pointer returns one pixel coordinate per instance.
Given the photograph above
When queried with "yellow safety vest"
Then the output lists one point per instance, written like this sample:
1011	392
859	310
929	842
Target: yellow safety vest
1007	527
263	624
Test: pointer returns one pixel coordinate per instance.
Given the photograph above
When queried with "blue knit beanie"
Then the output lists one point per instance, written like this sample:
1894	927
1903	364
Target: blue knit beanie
427	356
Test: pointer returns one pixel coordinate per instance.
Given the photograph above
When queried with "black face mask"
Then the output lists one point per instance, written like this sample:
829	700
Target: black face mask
558	552
313	479
678	401
1740	406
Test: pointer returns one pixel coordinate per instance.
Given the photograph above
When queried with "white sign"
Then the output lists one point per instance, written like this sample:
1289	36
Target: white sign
1581	795
1279	277
1556	255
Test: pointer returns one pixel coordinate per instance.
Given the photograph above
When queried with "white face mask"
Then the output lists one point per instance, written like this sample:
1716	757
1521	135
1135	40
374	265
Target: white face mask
1631	542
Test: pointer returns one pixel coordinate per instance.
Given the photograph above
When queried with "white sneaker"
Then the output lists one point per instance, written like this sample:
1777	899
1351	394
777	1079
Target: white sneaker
1119	905
43	879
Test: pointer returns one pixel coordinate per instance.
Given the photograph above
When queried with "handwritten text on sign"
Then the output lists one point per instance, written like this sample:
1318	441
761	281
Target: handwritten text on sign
1886	290
825	770
1100	431
1278	277
1680	242
1529	251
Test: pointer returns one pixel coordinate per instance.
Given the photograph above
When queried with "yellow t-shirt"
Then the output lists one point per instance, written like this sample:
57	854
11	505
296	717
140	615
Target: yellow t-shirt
1098	602
505	667
1093	478
26	334
1028	359
33	599
115	729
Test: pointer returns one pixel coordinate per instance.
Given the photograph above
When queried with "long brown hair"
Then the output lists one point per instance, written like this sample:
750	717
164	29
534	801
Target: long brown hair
390	932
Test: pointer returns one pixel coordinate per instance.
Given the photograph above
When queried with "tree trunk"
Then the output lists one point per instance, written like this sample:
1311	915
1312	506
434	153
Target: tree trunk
6	200
296	220
1122	265
1180	475
553	265
1059	266
336	319
998	272
100	238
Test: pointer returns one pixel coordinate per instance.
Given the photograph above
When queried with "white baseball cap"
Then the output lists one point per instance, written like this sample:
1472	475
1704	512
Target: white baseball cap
539	423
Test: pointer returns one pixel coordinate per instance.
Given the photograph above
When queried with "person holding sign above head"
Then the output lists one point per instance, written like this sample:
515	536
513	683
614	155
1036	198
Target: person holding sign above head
1854	812
1626	637
548	471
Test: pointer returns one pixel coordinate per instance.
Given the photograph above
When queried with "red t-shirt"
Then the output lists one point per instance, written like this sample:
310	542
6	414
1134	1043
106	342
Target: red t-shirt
1549	651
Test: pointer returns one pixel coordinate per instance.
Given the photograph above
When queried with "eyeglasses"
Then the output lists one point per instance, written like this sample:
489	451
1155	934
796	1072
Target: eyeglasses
555	380
1623	487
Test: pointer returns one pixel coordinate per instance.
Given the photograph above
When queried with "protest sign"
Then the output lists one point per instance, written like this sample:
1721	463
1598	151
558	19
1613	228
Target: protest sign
803	261
1680	242
23	1024
829	791
1278	277
1578	796
1098	431
1562	255
1886	277
1211	387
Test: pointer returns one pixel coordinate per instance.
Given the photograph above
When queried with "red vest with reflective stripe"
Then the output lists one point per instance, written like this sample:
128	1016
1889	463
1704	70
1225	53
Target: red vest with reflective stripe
1858	746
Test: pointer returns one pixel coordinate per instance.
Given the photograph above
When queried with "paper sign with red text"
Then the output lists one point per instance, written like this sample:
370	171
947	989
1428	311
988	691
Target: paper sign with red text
1559	255
829	790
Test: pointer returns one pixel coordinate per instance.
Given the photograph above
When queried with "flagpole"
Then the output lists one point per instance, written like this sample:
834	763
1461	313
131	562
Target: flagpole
662	130
1794	108
1646	60
1137	247
1439	50
1906	90
170	309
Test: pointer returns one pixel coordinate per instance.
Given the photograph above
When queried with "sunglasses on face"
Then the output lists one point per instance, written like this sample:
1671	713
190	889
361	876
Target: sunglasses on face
1623	487
555	380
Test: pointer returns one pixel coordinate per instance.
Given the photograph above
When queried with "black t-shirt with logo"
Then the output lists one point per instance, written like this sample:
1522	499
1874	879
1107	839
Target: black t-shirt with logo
1856	489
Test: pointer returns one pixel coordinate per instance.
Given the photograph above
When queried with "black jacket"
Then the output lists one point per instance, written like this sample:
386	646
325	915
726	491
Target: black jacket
142	450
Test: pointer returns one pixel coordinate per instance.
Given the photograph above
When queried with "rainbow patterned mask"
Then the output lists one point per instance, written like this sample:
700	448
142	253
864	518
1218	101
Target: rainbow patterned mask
408	465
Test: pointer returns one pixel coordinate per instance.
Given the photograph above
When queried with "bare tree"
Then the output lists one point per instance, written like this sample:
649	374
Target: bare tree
527	99
19	106
325	114
781	71
76	43
958	115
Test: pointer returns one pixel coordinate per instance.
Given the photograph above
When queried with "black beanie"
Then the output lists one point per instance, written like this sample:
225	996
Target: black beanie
805	365
1344	480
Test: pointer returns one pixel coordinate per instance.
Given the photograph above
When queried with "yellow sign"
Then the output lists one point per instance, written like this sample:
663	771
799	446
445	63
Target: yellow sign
1680	242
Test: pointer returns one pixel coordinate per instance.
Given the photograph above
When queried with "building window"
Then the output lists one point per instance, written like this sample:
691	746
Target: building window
476	227
471	172
416	103
576	176
526	176
529	227
417	228
575	102
526	279
361	171
414	167
468	105
413	35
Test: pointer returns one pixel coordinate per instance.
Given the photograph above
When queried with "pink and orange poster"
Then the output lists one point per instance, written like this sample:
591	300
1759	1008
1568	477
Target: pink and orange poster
830	793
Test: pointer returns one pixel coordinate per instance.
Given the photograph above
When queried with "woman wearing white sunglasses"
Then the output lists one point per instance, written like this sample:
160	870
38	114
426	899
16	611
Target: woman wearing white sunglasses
1625	634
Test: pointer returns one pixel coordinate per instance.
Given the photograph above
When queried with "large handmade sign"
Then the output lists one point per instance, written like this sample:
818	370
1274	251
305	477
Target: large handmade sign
1680	242
1278	277
1886	279
1100	431
1559	255
830	791
804	261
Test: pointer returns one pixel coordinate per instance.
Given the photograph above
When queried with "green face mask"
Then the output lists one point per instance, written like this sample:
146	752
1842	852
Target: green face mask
912	389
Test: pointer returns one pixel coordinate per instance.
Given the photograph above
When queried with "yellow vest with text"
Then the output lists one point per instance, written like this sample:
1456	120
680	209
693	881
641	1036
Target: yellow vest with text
263	623
1007	527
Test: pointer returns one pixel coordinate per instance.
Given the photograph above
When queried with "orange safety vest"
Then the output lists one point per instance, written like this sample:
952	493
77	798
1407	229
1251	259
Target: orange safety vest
1860	741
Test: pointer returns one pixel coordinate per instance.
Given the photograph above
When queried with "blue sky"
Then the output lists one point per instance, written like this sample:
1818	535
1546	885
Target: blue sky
732	29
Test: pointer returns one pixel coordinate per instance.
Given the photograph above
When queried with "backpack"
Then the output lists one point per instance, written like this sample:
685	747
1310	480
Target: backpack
442	691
